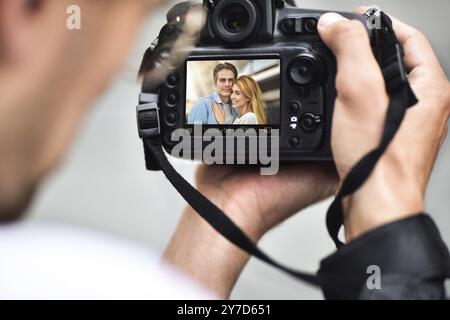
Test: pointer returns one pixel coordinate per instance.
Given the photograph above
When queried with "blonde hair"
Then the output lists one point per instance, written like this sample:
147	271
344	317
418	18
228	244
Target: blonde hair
251	89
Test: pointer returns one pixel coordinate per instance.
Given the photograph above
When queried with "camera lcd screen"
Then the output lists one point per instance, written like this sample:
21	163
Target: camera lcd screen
233	92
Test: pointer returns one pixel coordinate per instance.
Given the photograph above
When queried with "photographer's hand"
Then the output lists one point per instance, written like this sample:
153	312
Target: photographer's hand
255	203
397	186
394	190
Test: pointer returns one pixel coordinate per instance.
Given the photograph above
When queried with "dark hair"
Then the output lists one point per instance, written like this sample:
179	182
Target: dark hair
222	66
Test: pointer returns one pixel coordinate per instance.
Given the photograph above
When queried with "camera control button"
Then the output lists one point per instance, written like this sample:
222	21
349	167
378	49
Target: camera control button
310	25
306	70
295	26
171	117
287	26
294	107
309	122
294	141
173	79
172	98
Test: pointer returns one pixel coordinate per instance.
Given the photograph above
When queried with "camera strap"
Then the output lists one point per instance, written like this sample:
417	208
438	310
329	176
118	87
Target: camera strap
210	212
401	97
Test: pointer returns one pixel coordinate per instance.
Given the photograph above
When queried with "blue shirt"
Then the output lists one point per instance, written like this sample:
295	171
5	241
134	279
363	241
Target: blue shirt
202	112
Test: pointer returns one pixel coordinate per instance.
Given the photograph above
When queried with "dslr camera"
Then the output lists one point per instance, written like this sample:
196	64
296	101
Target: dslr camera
258	70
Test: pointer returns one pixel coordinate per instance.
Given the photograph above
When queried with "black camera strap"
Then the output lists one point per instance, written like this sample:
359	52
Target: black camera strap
401	97
212	214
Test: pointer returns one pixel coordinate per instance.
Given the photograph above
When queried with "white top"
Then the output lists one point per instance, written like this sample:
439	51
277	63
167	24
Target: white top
53	261
248	118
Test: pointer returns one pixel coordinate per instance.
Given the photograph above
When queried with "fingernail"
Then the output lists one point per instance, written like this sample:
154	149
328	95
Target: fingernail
329	18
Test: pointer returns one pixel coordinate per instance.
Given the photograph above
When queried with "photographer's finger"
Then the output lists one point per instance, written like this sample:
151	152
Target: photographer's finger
358	71
338	33
417	48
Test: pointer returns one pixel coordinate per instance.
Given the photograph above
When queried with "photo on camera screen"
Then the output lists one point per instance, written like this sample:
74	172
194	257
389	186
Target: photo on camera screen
233	92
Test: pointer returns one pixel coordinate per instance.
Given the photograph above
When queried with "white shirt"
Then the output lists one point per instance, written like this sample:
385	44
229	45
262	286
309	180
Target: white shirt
248	118
53	261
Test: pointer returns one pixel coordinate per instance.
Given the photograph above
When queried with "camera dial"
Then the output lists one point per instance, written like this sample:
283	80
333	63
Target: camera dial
306	70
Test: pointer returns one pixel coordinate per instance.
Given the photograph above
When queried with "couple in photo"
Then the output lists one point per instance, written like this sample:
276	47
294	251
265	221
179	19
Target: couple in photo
236	100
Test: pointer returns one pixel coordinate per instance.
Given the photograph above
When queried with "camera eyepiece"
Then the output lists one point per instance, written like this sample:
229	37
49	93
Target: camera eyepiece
234	20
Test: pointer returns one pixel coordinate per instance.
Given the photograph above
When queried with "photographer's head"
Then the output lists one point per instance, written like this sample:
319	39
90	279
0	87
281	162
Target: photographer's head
49	74
224	75
247	97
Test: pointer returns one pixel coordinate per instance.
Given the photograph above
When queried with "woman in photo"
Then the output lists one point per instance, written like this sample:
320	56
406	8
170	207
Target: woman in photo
247	99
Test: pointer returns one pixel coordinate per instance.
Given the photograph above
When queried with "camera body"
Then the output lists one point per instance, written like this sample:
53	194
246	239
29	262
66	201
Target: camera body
301	73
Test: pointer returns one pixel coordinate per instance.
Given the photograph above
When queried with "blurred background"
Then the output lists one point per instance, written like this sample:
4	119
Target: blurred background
103	183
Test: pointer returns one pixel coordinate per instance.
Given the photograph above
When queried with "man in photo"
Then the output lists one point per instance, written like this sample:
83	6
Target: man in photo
225	74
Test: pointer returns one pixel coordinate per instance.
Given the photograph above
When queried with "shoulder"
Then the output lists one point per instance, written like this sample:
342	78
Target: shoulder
74	263
249	115
204	101
249	118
